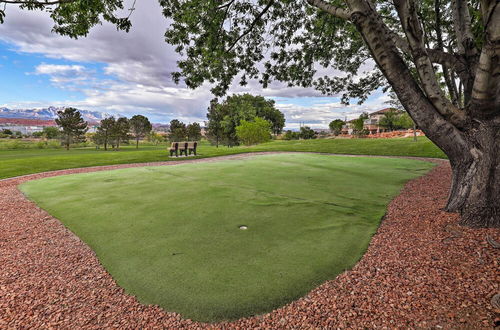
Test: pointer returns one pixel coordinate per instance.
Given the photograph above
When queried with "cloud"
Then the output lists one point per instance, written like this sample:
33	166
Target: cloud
318	113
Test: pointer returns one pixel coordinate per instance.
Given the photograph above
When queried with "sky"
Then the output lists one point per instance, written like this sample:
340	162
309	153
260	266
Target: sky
123	73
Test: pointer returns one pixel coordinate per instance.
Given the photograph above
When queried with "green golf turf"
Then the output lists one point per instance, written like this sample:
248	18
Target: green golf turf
170	235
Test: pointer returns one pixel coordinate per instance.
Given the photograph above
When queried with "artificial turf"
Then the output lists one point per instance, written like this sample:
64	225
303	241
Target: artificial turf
170	235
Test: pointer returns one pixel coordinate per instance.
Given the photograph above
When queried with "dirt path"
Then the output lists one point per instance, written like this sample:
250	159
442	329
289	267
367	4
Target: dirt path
420	270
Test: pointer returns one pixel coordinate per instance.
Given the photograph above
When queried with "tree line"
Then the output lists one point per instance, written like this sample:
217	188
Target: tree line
111	132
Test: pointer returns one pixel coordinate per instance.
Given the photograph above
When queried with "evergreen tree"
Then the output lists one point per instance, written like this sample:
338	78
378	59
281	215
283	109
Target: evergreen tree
104	131
193	132
214	125
178	131
73	127
140	127
120	131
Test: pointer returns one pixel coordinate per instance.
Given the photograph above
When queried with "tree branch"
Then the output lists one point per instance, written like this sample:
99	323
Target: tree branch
486	88
413	30
462	26
331	9
450	83
455	62
256	19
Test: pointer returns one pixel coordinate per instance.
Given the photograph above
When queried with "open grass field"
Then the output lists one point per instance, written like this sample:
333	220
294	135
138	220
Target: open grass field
170	234
27	160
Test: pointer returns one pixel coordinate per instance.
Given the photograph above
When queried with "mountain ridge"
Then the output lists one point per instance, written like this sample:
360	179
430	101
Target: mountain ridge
49	113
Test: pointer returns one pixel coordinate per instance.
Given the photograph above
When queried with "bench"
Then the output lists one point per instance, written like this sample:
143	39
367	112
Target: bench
183	148
192	147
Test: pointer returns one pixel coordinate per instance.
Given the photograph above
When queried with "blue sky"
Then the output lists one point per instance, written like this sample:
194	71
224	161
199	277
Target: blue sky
129	73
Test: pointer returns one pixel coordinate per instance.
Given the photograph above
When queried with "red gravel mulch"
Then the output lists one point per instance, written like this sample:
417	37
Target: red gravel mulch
421	270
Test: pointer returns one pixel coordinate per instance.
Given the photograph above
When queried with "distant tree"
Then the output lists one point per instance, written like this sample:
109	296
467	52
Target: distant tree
307	133
193	132
358	125
291	135
404	121
50	132
16	135
7	131
253	132
389	119
120	131
73	127
178	131
266	109
97	138
104	131
140	127
215	117
336	126
155	138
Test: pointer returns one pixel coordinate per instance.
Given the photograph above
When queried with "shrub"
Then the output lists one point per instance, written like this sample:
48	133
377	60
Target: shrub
307	133
254	132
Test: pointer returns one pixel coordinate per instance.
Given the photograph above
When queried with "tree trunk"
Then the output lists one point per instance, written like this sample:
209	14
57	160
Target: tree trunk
473	150
475	189
137	143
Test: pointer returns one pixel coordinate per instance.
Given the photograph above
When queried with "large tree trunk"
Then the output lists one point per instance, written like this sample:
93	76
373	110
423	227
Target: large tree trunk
473	150
475	190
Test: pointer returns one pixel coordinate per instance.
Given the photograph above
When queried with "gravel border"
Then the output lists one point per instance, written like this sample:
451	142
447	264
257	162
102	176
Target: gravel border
421	270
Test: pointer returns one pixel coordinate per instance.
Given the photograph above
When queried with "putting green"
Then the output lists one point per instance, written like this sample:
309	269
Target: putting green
170	235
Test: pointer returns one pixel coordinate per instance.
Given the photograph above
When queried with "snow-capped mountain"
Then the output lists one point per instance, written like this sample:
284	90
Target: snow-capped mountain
49	113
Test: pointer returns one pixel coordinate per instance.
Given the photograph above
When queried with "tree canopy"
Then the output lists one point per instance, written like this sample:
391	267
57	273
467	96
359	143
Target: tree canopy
336	126
75	18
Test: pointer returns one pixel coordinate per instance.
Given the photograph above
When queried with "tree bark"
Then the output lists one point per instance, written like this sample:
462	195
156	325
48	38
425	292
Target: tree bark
475	189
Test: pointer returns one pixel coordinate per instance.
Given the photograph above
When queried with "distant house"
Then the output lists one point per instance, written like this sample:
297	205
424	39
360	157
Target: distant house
371	124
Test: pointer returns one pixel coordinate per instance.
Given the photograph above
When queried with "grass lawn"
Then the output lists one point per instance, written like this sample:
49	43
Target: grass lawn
170	235
32	160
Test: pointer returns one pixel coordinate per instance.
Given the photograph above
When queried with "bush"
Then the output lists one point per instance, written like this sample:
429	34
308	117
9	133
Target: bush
255	132
291	135
307	133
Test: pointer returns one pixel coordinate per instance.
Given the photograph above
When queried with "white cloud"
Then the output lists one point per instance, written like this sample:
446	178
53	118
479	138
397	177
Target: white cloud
55	69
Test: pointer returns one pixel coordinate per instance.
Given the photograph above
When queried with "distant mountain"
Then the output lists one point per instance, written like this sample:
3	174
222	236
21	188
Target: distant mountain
49	113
